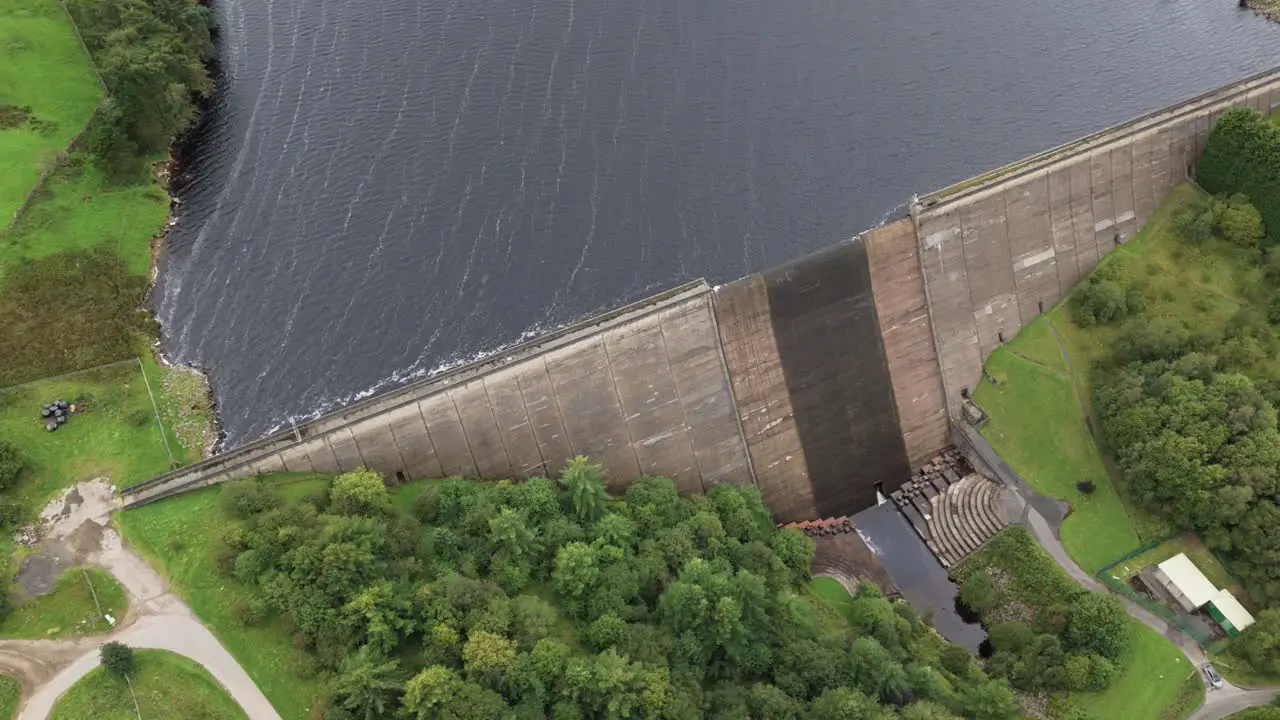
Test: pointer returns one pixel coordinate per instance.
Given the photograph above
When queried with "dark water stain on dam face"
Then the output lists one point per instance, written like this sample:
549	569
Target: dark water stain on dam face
385	187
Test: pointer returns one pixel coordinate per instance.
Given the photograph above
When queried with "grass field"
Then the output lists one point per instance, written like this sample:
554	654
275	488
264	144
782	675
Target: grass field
167	686
1151	680
10	694
47	71
180	536
70	610
78	209
1153	670
116	435
1037	344
1037	427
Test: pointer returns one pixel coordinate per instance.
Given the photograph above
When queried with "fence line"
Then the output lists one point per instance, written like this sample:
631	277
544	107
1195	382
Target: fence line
69	374
164	436
1118	585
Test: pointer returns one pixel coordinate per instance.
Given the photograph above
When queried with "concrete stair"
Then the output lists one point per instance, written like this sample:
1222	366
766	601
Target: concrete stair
962	519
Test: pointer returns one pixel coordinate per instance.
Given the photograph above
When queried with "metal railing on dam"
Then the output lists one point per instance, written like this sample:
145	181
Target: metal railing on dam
818	381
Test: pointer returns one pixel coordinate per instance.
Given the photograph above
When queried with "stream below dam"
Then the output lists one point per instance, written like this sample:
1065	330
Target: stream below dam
380	191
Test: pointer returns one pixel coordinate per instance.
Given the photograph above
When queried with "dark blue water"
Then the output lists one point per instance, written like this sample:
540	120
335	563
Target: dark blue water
923	582
385	188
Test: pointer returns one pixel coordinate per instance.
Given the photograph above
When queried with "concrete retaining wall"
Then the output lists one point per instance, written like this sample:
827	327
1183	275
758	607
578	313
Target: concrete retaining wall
999	249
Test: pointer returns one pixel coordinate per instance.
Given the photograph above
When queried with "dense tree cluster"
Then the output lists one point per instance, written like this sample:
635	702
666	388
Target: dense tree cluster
553	600
1201	446
1242	155
151	55
1259	644
1074	639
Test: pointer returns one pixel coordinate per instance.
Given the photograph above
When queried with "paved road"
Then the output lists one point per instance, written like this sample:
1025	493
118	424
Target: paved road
1217	703
157	620
1230	700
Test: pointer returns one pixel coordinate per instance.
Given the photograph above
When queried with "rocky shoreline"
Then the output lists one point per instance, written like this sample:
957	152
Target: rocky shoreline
187	392
1269	9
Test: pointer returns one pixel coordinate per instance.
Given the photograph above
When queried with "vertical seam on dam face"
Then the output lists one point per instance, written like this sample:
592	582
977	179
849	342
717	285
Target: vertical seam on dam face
767	420
828	337
684	413
511	464
542	458
733	396
622	407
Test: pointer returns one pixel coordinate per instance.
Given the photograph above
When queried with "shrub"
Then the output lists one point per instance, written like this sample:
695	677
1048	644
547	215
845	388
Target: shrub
11	464
1097	624
117	658
246	498
1194	222
1099	302
978	593
1086	486
1240	223
360	492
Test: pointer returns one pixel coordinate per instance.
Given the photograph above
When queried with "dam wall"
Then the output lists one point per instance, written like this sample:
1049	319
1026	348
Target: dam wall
998	250
642	390
821	381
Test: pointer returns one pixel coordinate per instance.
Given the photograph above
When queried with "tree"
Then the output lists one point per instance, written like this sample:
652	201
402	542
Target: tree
978	593
487	652
368	685
1097	623
360	492
585	485
990	700
577	570
437	693
841	703
117	658
1242	155
767	702
381	614
795	550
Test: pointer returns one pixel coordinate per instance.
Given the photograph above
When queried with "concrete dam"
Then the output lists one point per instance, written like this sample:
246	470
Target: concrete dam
821	381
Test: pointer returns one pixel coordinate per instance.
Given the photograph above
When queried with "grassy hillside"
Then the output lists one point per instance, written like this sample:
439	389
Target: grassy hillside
47	92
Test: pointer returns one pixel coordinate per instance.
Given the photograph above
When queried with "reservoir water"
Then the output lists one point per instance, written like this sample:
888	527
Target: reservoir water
382	189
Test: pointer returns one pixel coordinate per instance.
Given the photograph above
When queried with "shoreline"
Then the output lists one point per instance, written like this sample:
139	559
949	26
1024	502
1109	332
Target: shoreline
1262	9
163	173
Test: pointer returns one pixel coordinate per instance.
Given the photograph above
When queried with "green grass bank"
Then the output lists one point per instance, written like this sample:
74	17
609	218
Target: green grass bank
47	93
166	685
1041	412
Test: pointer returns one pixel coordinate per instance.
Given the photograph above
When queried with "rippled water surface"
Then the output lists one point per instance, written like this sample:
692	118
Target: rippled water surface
385	188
